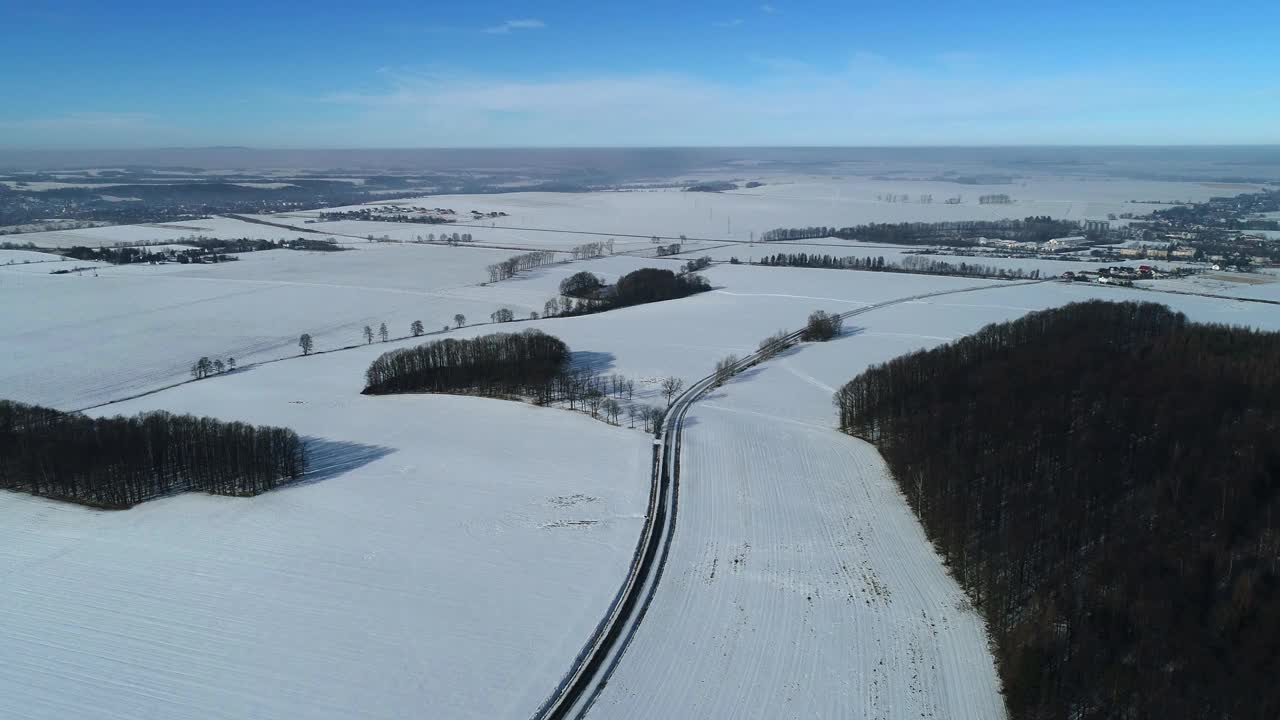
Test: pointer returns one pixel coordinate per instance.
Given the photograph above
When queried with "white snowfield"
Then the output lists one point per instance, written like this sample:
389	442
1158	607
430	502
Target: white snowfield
448	559
112	235
450	556
787	201
799	583
145	325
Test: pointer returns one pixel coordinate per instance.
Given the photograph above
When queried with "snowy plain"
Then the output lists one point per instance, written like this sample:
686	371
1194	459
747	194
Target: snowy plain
447	558
799	583
470	546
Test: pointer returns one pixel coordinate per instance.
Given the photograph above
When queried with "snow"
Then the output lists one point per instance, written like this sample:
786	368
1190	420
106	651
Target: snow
751	252
452	554
1263	285
450	561
215	227
804	200
27	256
799	583
145	325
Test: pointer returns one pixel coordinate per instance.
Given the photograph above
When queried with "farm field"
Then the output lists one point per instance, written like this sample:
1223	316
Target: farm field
446	553
471	546
112	235
786	201
790	529
146	325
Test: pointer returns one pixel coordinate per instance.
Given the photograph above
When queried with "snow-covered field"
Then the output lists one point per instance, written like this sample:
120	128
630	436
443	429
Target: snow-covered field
1262	285
16	257
111	235
448	559
799	583
143	326
451	555
803	201
752	252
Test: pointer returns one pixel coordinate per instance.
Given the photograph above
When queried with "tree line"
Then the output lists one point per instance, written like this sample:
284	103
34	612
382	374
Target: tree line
497	364
585	292
911	264
119	462
1038	228
590	250
529	364
1103	480
517	263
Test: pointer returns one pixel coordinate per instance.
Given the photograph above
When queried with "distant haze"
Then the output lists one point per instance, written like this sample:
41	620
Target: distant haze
1224	164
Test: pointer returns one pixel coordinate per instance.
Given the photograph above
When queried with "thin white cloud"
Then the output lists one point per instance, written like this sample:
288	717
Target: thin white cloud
768	9
870	99
524	24
729	23
89	120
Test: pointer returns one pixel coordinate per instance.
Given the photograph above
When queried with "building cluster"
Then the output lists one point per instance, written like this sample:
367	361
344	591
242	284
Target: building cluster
1056	245
1115	275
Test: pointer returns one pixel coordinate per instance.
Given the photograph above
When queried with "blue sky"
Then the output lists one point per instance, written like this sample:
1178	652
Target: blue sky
430	74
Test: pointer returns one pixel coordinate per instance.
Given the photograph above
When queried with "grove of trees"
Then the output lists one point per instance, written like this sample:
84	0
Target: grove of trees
822	326
641	286
583	284
119	462
915	264
529	364
1103	480
516	263
961	232
497	364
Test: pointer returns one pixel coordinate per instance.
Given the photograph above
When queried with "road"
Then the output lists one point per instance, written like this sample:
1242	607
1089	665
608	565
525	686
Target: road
595	664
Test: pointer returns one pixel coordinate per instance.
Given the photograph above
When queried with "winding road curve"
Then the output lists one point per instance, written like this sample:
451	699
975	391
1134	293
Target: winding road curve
595	664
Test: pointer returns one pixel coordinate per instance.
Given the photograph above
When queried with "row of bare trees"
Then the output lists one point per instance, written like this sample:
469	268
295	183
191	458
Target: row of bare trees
915	264
518	263
118	462
954	232
589	250
205	367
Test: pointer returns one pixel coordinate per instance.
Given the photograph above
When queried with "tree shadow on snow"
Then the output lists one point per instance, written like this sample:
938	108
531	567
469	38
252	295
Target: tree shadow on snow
327	459
848	333
599	362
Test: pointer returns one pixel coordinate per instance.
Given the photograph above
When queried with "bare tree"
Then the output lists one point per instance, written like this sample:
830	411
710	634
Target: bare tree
502	315
368	334
459	320
202	368
382	332
231	363
671	386
726	368
611	410
219	367
304	342
774	344
595	399
550	308
416	328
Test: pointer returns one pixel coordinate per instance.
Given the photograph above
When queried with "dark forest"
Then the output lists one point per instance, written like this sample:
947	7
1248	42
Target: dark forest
497	364
966	232
1102	479
915	264
119	462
